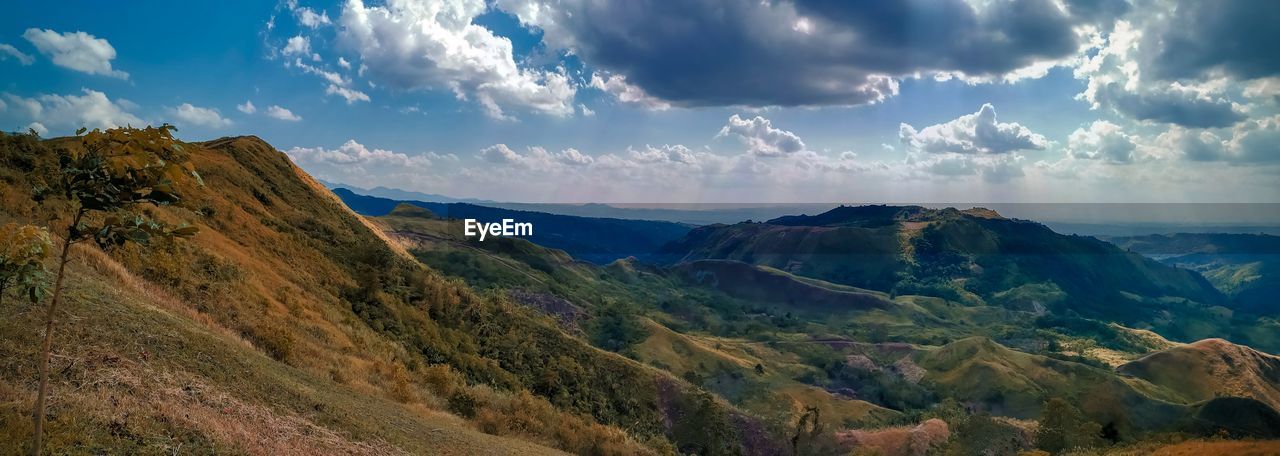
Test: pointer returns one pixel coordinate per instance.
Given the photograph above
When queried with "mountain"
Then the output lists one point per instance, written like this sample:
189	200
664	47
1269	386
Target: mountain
1246	267
959	255
398	194
595	239
787	349
691	213
289	324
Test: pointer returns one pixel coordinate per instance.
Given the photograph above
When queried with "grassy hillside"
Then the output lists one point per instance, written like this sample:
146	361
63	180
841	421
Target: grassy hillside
1211	368
1011	383
331	323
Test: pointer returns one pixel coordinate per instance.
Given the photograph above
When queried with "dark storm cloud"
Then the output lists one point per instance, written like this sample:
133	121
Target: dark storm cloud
807	52
1235	36
1181	107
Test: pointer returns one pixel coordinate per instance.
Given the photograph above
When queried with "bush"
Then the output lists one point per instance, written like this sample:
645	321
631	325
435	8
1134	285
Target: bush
1063	428
463	404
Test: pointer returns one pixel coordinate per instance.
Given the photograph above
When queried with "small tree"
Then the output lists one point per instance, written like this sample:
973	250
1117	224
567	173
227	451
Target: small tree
104	180
23	250
1064	428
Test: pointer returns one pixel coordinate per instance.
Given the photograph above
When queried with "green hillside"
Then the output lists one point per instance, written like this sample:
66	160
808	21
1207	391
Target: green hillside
978	258
1245	267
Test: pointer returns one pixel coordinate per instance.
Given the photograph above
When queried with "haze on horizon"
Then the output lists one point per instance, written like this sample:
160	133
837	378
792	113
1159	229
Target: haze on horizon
731	101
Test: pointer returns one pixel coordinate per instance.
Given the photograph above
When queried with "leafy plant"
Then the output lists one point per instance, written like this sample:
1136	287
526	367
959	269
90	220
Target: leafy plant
105	179
1064	428
23	249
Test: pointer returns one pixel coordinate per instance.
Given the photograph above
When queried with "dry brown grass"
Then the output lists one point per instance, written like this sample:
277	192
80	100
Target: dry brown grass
1204	448
899	441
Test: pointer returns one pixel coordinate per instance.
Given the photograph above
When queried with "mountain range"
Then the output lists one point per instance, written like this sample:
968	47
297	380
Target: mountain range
300	320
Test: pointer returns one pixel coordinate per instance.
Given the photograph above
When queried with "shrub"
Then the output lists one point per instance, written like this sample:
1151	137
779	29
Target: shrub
463	404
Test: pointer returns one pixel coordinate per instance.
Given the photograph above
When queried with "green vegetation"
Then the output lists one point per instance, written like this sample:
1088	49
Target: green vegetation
1062	428
23	251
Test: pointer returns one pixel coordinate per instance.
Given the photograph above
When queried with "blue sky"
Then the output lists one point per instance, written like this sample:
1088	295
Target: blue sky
696	101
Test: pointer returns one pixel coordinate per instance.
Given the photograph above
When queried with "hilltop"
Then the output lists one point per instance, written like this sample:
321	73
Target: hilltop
1211	368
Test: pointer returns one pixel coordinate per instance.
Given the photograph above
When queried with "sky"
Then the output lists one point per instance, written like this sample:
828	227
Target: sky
724	101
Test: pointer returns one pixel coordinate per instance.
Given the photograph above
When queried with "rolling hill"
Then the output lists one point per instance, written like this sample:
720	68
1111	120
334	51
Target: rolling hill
1211	368
968	256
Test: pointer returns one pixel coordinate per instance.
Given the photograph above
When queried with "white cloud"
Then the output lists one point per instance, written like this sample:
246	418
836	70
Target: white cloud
1250	142
354	153
586	112
92	109
195	115
1102	141
977	133
666	153
500	153
413	45
355	163
298	45
617	86
247	107
78	51
7	50
309	18
1116	82
282	113
571	156
1265	89
991	168
761	137
344	63
332	77
38	128
351	95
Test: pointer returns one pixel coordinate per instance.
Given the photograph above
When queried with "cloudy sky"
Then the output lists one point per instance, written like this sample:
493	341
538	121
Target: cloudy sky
653	101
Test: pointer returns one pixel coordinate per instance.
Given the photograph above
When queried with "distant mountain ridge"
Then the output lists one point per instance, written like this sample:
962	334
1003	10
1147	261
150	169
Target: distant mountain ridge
951	253
1246	267
595	239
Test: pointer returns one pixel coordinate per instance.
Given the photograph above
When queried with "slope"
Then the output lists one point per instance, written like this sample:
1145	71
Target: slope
280	266
578	293
1210	368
